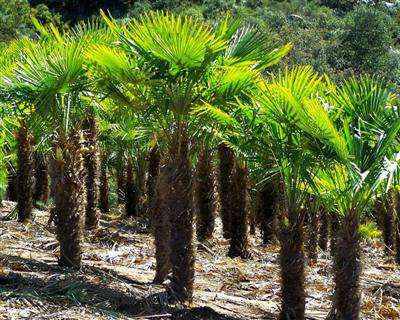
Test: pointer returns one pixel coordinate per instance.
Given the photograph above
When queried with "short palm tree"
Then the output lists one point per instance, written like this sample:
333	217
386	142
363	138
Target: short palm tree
367	119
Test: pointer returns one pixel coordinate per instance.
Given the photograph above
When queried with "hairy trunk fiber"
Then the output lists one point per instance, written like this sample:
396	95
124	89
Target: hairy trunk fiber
226	165
153	171
25	174
204	196
92	166
323	229
104	201
131	191
334	233
266	212
239	224
292	268
121	180
41	190
12	186
161	225
180	209
312	241
388	222
68	181
347	270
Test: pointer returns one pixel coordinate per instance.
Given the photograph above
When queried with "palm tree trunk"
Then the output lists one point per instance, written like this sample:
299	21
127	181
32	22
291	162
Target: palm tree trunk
292	268
266	212
239	223
41	190
323	229
25	173
161	225
180	209
204	196
153	171
347	270
312	241
334	233
104	201
388	223
68	177
226	165
121	180
131	191
92	166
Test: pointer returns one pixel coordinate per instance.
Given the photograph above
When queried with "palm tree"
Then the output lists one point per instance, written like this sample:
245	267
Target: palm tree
52	78
276	131
164	63
365	116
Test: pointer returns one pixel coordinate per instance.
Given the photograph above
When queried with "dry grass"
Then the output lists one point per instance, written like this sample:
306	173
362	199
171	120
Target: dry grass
115	282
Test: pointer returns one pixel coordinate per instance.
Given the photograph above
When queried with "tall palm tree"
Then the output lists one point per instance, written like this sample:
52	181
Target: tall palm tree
165	63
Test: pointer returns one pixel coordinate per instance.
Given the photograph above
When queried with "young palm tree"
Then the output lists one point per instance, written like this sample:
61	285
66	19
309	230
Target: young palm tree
51	77
369	124
276	132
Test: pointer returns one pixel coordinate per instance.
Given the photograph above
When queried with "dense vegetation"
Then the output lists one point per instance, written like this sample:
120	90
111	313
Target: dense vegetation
153	100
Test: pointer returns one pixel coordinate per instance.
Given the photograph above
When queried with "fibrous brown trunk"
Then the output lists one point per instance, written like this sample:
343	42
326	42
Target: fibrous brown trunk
104	201
204	196
25	173
131	191
388	223
153	171
347	270
180	208
266	212
312	240
239	223
161	225
92	166
226	166
292	267
121	180
41	190
323	229
68	183
334	233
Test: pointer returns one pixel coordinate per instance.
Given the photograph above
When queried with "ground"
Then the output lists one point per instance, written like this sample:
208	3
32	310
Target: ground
115	282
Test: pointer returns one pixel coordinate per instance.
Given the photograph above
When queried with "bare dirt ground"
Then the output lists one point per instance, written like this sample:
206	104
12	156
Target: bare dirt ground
115	282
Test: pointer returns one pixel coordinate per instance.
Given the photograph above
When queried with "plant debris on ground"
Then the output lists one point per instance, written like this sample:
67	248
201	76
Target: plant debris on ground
119	264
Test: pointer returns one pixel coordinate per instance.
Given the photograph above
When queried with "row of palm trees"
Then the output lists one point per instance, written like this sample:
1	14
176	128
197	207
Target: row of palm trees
175	88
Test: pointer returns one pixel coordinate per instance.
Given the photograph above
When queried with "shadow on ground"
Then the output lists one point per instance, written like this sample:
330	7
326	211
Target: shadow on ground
90	287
